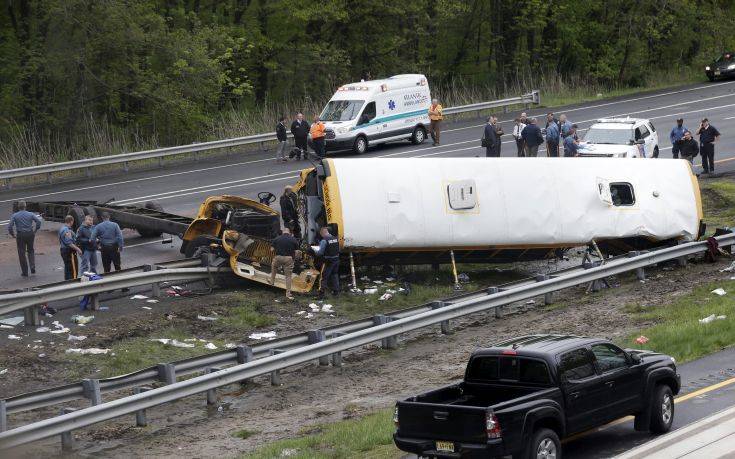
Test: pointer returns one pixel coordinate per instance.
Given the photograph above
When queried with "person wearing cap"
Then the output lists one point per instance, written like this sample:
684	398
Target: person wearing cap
708	136
23	226
111	242
69	249
688	147
676	135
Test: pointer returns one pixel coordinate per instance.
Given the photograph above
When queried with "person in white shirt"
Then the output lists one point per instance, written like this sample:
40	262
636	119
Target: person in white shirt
520	143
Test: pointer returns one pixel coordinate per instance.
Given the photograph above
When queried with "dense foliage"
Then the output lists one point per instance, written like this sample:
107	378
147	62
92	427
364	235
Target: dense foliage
167	69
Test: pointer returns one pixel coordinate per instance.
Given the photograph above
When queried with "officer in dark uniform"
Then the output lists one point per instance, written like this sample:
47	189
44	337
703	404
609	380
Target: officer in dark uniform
110	238
329	251
708	135
69	249
21	227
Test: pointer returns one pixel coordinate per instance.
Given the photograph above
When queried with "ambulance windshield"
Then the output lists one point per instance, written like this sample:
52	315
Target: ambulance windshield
341	110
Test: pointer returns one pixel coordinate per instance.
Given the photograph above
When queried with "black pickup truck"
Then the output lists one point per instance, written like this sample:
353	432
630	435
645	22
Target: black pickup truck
520	397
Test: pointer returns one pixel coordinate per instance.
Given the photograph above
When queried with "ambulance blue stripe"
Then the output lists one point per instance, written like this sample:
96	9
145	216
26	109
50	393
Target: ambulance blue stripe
391	118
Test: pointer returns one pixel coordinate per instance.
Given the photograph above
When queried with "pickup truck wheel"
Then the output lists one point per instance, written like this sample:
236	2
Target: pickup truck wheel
545	444
662	409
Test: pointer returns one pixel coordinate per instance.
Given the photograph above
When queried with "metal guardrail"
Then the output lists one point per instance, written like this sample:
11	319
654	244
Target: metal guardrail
13	302
387	330
124	158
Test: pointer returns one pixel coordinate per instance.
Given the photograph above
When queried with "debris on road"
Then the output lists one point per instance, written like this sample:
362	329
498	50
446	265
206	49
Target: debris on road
210	346
91	350
76	338
152	301
59	328
14	337
3	371
314	307
370	291
385	297
719	291
146	307
82	320
138	297
327	308
42	329
265	335
172	342
12	321
207	318
729	269
711	318
641	340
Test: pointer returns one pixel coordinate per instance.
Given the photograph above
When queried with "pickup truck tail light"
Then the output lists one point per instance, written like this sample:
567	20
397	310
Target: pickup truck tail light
492	426
395	417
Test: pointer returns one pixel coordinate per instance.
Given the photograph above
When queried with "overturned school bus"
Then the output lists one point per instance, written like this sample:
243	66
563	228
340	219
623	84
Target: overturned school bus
416	211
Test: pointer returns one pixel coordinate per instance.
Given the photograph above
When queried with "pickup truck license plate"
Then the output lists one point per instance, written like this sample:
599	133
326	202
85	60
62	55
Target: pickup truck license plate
447	446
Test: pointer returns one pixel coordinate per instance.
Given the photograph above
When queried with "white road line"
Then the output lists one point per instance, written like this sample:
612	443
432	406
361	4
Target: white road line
613	103
730	117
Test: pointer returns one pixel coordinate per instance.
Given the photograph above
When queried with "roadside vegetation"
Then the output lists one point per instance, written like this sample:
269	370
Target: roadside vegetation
718	200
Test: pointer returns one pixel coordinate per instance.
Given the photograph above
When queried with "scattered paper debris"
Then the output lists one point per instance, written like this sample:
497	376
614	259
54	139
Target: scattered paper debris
76	338
207	318
301	313
210	346
390	279
385	297
91	350
42	329
265	335
314	307
12	321
370	291
3	371
711	318
641	340
719	291
327	308
173	342
146	307
151	301
531	302
138	297
230	346
13	337
729	269
378	282
365	279
41	355
355	290
391	291
309	316
81	320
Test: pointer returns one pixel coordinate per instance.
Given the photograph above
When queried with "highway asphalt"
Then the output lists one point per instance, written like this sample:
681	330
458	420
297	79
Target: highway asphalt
180	189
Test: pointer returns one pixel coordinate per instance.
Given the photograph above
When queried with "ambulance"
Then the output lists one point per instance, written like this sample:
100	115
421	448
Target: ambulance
373	112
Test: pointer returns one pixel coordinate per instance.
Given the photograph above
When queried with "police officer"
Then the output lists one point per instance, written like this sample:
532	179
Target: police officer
69	249
675	136
300	130
285	249
565	126
708	135
329	251
111	242
552	137
88	245
22	229
571	143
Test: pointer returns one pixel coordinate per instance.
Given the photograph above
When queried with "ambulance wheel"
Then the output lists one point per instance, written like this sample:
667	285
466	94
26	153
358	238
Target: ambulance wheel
361	145
418	136
147	232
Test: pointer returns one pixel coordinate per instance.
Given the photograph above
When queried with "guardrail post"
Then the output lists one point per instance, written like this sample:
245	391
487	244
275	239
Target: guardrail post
9	183
275	374
498	309
140	418
317	336
67	439
386	343
444	325
30	316
49	178
212	393
244	355
125	166
92	391
160	161
681	261
94	302
640	273
3	415
337	356
166	373
547	296
89	172
155	287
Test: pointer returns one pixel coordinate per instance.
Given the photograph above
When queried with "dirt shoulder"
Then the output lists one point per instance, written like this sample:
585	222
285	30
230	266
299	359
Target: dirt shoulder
369	379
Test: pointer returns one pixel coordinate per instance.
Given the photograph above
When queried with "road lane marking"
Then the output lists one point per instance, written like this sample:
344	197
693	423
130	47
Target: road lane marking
680	399
122	182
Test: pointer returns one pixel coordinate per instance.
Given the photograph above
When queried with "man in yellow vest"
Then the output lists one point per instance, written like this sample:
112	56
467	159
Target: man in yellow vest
436	117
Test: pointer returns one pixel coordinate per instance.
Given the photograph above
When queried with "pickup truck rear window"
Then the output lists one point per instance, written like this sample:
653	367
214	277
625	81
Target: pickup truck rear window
519	369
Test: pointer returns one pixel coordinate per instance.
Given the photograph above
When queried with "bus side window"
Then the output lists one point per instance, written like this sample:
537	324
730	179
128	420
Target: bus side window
622	194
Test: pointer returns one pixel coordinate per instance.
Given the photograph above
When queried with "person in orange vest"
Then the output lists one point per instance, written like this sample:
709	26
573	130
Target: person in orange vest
317	137
436	117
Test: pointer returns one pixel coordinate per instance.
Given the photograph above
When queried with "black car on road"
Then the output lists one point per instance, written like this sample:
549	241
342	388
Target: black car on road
522	396
723	66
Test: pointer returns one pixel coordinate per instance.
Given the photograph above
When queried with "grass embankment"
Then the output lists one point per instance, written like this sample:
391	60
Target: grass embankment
718	200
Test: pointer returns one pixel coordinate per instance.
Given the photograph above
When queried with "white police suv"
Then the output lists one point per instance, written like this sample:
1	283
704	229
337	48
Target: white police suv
620	138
